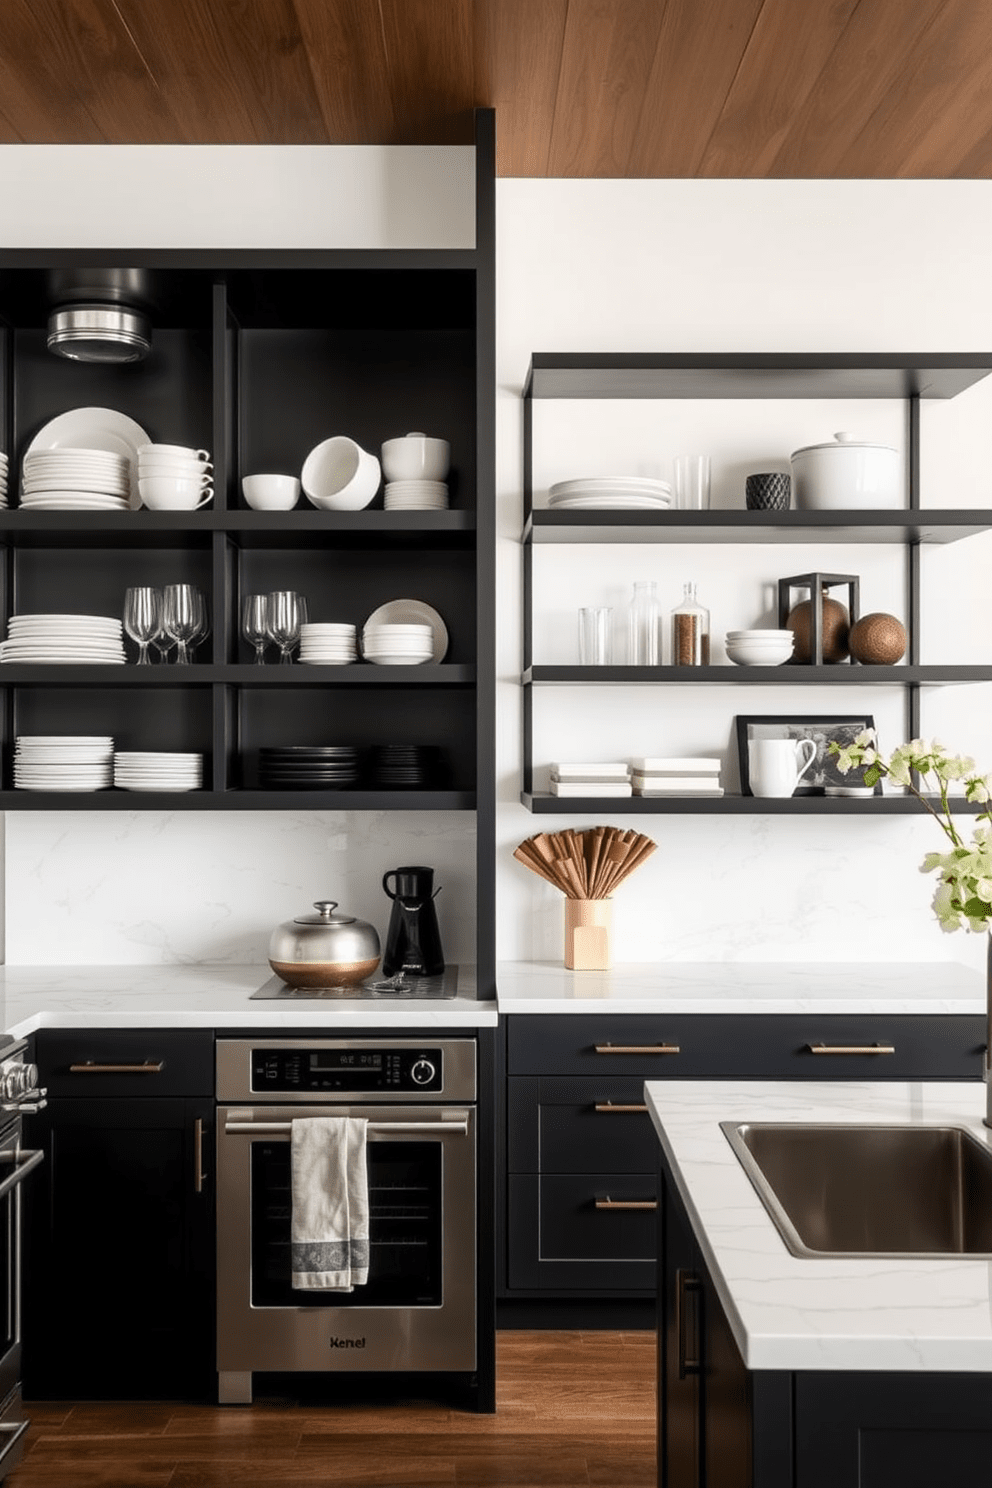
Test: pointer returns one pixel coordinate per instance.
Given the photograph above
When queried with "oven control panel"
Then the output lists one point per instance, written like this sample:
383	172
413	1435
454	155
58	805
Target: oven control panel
330	1071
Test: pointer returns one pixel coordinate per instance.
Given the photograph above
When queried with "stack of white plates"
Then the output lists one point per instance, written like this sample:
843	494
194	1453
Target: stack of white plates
76	480
611	492
3	479
327	643
406	612
154	770
63	762
397	645
416	495
91	640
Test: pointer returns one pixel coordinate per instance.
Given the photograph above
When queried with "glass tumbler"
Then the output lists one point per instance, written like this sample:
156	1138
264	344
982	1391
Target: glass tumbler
643	648
595	636
692	482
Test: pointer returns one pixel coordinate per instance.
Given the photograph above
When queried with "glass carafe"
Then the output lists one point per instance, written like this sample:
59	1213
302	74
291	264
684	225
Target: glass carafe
690	631
643	648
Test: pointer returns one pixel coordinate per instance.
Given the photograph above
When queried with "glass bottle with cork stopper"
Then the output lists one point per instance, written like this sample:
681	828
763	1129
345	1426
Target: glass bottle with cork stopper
690	630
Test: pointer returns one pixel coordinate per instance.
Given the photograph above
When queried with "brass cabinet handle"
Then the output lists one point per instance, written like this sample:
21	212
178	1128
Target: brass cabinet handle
609	1203
609	1106
688	1294
637	1049
149	1067
198	1173
851	1048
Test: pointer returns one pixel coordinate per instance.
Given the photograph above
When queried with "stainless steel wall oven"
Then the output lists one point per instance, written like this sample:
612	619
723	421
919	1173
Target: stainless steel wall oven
417	1311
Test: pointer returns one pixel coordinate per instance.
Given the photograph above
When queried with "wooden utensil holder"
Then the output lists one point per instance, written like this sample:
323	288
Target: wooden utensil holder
587	934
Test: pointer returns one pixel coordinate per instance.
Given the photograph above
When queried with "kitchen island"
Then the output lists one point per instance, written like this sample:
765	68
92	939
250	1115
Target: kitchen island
780	1371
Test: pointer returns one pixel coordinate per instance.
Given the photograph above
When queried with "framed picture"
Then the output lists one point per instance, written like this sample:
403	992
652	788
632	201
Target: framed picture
823	729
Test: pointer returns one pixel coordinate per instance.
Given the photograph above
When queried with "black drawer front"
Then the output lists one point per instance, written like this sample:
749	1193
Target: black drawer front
579	1125
749	1046
562	1242
79	1062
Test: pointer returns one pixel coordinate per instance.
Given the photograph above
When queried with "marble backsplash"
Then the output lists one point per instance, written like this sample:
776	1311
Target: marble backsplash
160	888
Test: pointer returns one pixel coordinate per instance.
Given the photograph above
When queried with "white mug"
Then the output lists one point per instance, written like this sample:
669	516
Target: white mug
776	766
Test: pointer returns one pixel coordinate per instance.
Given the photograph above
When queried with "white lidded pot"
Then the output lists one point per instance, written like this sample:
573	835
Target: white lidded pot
846	474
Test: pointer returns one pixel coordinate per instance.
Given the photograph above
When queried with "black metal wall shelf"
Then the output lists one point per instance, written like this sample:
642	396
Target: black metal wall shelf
548	526
743	375
842	675
740	376
729	805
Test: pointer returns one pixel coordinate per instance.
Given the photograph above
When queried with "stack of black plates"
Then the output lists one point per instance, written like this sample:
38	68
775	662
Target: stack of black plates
403	766
308	767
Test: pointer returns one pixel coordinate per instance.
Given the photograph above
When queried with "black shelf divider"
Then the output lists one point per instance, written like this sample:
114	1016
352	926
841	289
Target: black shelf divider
237	800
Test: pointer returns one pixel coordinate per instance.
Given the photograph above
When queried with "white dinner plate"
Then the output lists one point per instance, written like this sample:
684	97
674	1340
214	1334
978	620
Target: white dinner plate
412	612
95	429
57	785
632	501
598	485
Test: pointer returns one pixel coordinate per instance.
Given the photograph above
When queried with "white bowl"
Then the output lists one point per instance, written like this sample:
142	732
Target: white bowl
416	457
183	451
741	656
338	475
163	493
271	492
760	635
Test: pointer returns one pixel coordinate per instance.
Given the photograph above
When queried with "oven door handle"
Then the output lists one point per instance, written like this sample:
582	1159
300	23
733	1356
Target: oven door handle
457	1128
25	1161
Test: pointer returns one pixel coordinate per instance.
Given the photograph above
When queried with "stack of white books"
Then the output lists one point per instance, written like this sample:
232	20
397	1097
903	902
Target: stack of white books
609	779
656	776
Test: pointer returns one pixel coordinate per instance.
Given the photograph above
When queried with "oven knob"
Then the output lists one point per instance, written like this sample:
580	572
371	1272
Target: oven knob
422	1072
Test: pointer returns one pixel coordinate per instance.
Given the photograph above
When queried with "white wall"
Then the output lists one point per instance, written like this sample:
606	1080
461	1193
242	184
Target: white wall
725	266
583	265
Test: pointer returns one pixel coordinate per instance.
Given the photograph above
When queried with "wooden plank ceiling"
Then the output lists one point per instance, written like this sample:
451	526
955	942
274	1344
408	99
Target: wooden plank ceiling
636	88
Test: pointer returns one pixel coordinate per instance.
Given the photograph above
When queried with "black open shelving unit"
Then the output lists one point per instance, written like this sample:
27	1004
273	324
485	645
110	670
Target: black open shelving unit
257	355
742	376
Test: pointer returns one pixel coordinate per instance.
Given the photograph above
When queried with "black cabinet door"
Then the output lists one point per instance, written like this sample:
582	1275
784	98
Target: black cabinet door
680	1345
119	1262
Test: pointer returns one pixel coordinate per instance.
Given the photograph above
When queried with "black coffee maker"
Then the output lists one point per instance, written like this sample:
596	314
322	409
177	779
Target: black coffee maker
413	941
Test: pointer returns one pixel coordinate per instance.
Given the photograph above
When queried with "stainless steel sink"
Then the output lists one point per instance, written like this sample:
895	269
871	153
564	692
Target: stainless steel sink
906	1191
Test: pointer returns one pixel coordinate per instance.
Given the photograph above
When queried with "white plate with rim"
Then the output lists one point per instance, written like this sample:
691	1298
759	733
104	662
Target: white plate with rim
412	612
618	502
94	429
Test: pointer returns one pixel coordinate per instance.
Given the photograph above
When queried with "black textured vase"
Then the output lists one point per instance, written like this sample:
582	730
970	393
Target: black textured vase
768	492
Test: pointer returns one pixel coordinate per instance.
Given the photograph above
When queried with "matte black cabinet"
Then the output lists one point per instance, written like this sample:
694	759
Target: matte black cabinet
581	1162
721	1425
119	1276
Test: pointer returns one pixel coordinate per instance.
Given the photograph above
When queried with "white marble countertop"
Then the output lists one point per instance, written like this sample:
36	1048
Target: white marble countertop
201	996
788	1312
742	987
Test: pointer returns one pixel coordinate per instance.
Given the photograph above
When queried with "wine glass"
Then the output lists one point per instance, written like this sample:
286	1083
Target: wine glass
285	613
181	617
142	617
202	620
255	623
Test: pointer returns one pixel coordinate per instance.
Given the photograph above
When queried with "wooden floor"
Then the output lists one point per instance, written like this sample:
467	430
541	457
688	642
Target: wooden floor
573	1410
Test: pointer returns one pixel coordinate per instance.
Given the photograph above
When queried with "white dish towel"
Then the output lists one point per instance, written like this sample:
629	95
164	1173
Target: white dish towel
330	1222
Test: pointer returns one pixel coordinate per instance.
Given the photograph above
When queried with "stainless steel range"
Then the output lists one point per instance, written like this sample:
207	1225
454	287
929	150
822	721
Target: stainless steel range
19	1096
417	1311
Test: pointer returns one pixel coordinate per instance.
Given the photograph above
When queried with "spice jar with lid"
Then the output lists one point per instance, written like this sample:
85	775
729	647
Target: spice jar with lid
690	630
